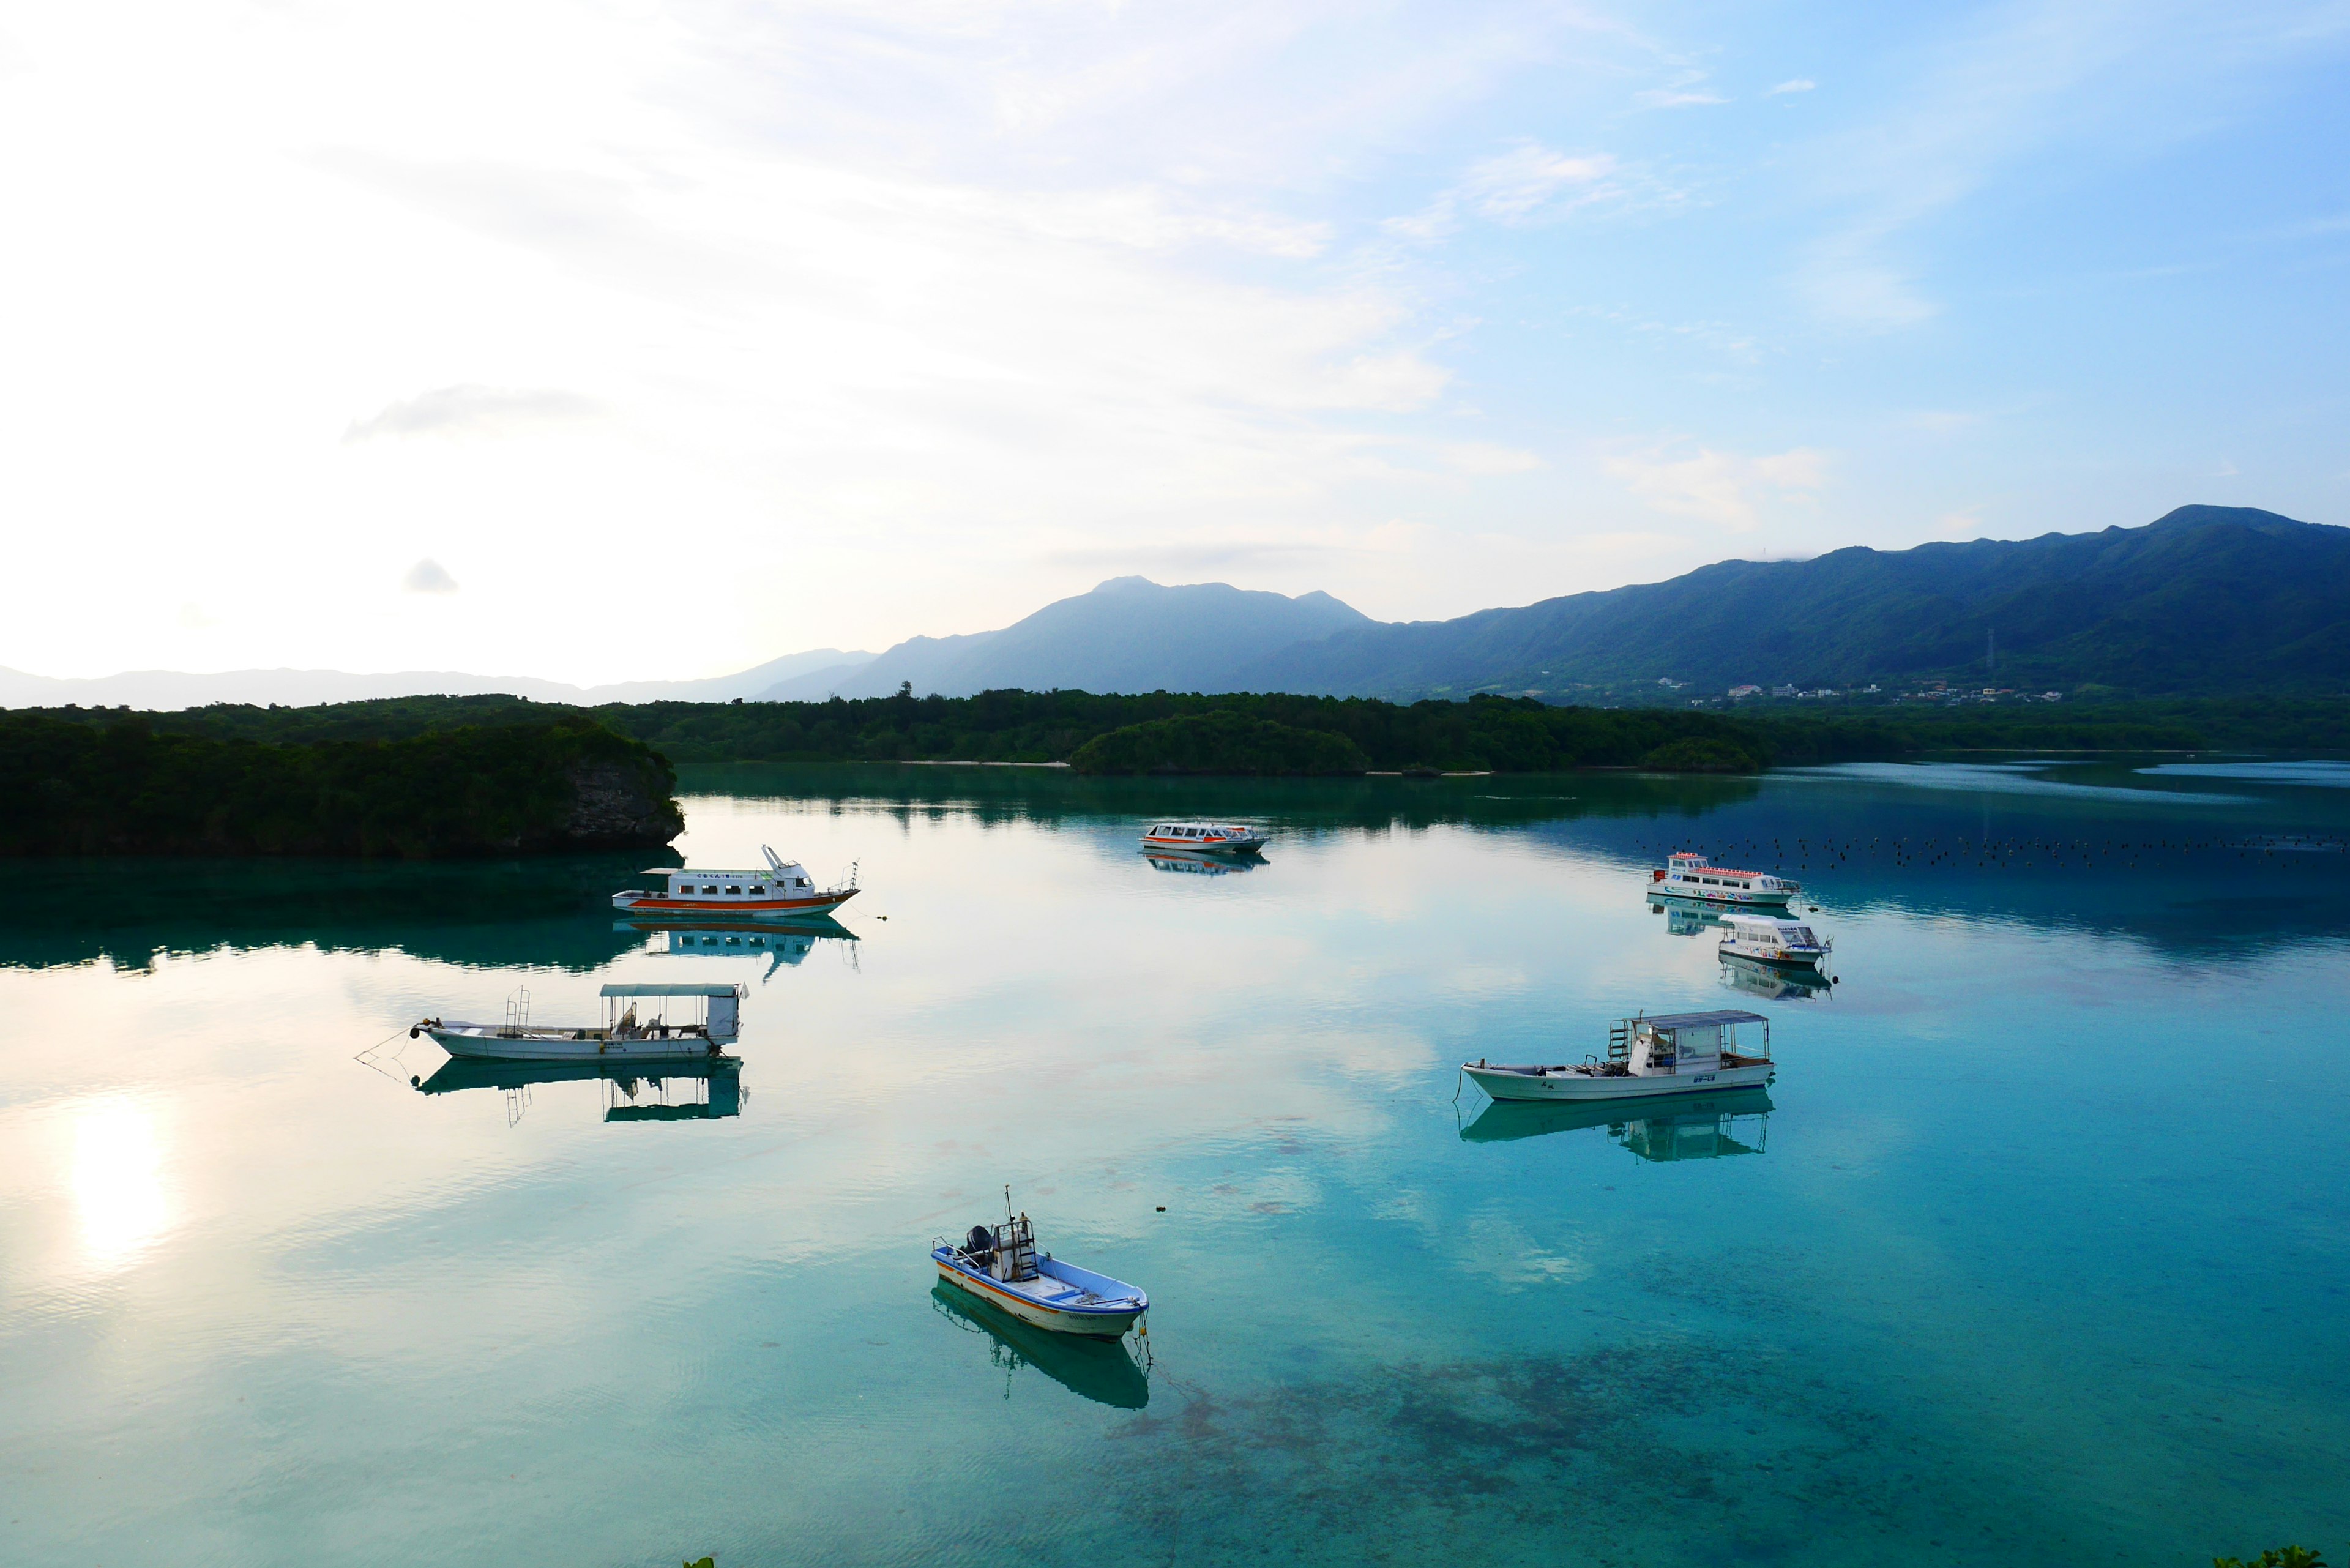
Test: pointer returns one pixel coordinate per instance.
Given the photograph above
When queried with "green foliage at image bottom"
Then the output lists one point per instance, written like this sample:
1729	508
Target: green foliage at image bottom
2275	1557
114	783
1219	743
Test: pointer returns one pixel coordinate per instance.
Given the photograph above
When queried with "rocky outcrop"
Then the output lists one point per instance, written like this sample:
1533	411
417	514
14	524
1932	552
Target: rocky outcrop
618	805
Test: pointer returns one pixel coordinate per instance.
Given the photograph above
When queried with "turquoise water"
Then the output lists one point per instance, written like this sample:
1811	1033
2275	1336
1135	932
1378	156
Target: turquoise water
2038	1250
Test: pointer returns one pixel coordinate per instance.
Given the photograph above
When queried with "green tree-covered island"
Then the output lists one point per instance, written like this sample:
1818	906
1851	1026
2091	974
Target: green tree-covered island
421	777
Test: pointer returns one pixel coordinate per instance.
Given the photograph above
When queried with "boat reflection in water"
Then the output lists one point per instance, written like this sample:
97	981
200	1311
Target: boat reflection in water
780	944
673	1091
1688	918
1756	978
1689	1126
1203	864
1096	1369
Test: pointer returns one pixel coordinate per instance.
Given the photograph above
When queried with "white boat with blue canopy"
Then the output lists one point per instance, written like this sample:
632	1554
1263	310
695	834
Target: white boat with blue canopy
643	1022
1767	938
1669	1054
1000	1265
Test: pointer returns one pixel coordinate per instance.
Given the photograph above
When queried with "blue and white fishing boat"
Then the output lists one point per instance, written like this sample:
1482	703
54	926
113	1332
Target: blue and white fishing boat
1000	1265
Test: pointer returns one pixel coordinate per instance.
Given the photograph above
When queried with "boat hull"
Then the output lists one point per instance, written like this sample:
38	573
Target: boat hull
643	906
1740	897
1779	958
1503	1085
1202	847
1099	1322
487	1044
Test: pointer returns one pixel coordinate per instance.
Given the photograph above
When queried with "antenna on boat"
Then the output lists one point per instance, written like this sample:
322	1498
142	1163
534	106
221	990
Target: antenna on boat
1007	1203
774	862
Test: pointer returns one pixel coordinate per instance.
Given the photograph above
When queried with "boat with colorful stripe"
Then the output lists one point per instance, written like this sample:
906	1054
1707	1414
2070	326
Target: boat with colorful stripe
1203	838
1000	1265
1689	875
784	891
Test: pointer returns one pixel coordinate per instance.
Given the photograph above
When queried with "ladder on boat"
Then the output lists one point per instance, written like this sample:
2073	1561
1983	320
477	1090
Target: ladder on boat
1619	1041
1016	1248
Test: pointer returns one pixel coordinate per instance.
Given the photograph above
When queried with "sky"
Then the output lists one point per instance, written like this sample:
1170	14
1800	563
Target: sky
631	340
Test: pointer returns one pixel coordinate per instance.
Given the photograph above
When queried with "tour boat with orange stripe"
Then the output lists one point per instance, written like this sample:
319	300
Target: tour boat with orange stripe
1000	1265
1691	875
782	891
1203	838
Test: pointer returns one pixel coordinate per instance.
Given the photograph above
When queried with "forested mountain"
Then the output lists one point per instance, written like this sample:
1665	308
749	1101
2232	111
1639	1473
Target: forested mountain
2206	600
1128	634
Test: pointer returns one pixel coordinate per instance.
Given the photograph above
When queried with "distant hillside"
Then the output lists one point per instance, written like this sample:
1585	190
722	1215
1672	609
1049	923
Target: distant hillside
2207	599
1128	634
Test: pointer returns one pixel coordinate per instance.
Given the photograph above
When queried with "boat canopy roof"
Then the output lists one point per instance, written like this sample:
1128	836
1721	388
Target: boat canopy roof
1700	1019
659	988
756	874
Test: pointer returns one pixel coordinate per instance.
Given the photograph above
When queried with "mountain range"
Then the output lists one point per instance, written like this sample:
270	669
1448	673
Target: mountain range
2206	600
163	690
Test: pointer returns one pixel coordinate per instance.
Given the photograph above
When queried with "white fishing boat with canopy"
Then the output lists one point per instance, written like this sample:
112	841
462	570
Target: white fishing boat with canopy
1671	1054
643	1022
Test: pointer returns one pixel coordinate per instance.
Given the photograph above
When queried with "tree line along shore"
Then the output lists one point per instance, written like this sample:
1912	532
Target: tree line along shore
431	776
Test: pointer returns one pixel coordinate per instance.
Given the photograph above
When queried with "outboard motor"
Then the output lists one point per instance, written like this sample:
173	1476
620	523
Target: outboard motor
979	1244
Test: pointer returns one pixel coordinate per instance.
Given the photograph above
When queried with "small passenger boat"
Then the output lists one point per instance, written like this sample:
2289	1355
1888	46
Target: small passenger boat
1692	876
1000	1265
782	891
1205	837
637	1027
1766	938
1673	1054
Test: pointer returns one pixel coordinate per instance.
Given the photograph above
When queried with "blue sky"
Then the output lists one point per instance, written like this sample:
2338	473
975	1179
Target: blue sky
437	336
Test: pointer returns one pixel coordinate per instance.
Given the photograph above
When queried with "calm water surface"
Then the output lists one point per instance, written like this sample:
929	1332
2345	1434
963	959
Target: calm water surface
2038	1250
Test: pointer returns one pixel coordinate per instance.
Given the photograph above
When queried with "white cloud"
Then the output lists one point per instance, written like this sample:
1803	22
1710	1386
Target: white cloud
1685	90
472	411
1528	184
1801	84
1718	487
1530	177
1486	459
428	576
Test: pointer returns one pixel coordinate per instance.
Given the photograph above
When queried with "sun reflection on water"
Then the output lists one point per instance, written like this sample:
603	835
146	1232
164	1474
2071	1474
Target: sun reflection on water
117	1181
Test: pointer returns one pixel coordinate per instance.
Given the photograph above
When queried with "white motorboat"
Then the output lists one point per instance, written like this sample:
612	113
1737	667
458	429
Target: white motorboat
1203	838
1689	875
642	1023
1672	1053
1767	938
784	891
1000	1265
